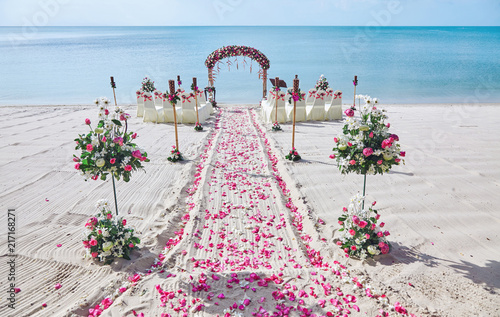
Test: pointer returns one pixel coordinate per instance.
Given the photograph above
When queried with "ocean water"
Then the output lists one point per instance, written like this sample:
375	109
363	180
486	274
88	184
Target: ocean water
72	65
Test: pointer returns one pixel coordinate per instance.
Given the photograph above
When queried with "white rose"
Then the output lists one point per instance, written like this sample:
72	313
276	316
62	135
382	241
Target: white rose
107	246
100	162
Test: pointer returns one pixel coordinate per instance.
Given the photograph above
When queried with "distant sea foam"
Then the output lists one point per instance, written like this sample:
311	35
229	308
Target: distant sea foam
72	65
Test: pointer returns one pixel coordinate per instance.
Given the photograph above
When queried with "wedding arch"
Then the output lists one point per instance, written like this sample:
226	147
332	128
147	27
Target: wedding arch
213	62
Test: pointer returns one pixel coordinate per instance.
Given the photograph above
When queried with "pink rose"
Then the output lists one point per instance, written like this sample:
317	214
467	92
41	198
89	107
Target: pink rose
57	286
346	250
109	216
373	226
352	162
93	242
87	121
362	224
353	247
382	224
134	135
131	245
94	254
402	153
76	159
352	232
397	160
90	147
367	151
344	209
124	222
136	154
128	168
339	243
104	139
349	112
112	161
335	140
349	144
341	223
388	125
370	135
99	231
395	137
386	233
86	244
379	162
380	234
377	217
355	219
367	236
77	166
106	111
332	156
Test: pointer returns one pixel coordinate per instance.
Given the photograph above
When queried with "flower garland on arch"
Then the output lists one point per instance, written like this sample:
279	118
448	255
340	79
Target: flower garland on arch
236	50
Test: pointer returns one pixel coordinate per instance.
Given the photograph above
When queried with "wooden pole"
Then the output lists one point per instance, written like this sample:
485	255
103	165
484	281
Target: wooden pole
276	84
171	85
295	90
196	99
264	83
113	85
355	84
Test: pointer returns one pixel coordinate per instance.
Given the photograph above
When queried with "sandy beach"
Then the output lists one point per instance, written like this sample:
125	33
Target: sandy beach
441	208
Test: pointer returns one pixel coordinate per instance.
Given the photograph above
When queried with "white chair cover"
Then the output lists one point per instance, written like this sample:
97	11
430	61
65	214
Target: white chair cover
140	103
311	96
188	108
329	96
334	110
159	101
300	111
281	109
317	110
202	103
267	105
150	113
168	111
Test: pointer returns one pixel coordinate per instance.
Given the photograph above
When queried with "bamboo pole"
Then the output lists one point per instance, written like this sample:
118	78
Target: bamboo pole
295	90
355	84
276	84
171	84
113	85
264	83
196	99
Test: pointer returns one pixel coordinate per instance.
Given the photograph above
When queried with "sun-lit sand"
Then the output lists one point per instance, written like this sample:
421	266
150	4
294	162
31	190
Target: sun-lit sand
441	208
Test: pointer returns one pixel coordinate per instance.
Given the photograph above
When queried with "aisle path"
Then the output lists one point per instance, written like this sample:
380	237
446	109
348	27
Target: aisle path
241	249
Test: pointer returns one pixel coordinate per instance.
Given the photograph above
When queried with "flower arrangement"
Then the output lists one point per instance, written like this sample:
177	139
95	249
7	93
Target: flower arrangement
172	98
213	102
322	83
236	50
293	155
298	96
198	127
109	148
194	88
175	155
148	85
276	126
210	89
106	237
361	236
365	145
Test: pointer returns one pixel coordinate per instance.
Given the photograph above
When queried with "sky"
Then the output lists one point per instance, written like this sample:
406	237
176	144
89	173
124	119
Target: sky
249	12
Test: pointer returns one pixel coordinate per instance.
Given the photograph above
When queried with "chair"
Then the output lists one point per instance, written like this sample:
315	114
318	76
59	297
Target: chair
311	96
150	113
188	108
158	98
281	109
300	111
140	103
334	110
159	105
268	104
202	103
316	111
329	96
168	111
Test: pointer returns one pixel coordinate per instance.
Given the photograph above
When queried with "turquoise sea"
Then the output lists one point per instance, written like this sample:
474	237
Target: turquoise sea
72	65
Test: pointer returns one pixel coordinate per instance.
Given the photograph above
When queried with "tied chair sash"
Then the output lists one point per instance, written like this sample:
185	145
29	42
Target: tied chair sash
339	95
329	93
282	96
312	93
320	96
150	98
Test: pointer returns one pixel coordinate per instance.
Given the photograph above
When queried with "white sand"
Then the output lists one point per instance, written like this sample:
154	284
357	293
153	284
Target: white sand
441	210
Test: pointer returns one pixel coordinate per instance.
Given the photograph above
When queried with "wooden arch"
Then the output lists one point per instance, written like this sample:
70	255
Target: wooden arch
236	50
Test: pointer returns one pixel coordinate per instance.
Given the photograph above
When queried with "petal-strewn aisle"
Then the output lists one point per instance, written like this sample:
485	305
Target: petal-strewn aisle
243	247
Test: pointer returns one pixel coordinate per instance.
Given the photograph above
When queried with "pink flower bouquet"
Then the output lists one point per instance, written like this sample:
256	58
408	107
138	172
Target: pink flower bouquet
360	235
